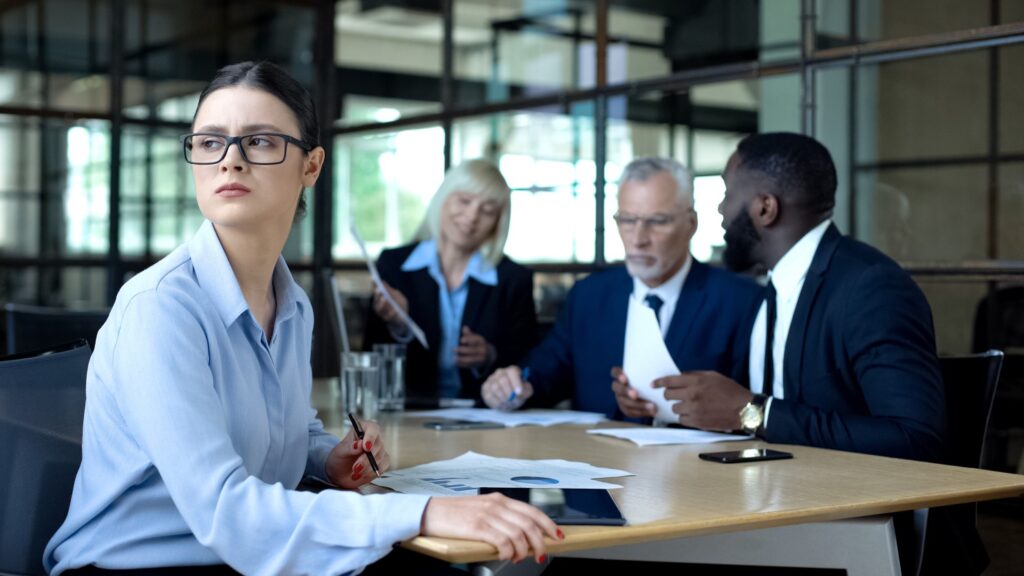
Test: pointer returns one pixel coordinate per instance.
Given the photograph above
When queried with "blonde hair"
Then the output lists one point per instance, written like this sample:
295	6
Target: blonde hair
478	177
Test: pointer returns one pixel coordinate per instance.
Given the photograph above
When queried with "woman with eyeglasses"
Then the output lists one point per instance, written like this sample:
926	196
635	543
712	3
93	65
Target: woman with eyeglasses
198	426
474	304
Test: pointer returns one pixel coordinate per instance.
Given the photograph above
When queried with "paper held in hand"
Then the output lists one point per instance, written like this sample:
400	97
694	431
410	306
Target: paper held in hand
417	332
646	358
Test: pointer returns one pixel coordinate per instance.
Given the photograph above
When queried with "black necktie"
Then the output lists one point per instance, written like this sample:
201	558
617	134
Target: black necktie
655	303
767	387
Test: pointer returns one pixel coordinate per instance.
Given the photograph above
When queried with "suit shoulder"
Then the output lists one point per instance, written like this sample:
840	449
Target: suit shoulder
602	280
509	268
856	257
731	279
394	257
725	280
864	273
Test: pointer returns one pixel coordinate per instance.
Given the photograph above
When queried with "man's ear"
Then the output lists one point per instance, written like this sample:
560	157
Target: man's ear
691	215
766	210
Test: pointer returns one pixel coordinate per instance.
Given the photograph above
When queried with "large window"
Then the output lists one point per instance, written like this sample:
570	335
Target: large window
917	101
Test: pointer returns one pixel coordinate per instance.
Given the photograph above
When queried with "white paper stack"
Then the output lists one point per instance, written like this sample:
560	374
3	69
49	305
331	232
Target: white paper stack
658	436
515	418
466	474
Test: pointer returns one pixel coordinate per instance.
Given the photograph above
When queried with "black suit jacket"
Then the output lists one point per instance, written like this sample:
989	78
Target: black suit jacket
860	370
504	315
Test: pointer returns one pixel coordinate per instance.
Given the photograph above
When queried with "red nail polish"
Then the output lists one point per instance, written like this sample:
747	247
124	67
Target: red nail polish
543	559
359	468
561	535
355	445
357	476
369	445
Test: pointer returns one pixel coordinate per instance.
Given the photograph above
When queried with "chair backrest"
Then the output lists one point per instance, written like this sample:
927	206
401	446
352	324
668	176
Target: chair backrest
336	311
37	327
999	320
970	383
42	405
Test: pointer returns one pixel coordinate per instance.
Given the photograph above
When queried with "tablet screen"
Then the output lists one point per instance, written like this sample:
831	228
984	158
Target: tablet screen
569	506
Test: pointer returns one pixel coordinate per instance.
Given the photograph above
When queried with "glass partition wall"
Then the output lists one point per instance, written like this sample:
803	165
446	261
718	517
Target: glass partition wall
917	100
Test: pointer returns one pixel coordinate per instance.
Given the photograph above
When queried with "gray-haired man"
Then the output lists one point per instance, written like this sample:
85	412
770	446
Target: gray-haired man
704	313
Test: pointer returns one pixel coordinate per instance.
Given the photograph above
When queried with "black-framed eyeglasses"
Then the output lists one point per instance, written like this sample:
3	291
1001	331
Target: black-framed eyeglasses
261	148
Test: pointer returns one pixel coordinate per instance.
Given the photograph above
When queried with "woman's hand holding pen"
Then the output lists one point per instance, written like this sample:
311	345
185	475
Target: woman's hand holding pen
347	465
385	310
506	389
515	528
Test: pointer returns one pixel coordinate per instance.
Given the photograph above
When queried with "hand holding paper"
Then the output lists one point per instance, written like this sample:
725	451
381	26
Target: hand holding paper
646	358
417	332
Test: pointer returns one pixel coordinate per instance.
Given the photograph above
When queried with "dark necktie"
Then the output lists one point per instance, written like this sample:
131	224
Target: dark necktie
655	303
767	387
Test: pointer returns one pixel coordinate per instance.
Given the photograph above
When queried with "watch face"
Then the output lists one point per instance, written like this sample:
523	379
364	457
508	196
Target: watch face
751	416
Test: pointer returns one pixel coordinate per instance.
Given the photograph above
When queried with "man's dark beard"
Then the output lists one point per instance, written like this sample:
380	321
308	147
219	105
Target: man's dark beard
740	239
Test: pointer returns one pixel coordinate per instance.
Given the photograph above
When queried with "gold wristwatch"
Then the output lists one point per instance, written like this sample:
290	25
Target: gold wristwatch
752	415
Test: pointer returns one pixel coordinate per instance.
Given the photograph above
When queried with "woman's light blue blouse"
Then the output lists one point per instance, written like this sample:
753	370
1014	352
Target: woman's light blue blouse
451	305
197	430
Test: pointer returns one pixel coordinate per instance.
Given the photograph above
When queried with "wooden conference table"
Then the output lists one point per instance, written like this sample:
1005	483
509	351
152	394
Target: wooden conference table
823	508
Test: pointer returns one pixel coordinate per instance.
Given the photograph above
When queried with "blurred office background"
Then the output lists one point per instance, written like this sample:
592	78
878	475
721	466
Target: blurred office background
920	101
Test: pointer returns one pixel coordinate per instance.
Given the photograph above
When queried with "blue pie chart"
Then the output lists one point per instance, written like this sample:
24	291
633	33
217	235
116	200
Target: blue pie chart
537	480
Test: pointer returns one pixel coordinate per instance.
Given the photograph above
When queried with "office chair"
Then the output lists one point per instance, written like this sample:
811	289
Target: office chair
38	327
999	323
336	311
970	384
42	405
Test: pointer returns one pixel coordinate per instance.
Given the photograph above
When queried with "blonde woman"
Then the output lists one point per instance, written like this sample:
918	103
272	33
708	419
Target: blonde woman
474	303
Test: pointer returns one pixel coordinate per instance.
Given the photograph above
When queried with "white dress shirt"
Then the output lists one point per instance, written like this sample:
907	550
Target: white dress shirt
788	277
668	291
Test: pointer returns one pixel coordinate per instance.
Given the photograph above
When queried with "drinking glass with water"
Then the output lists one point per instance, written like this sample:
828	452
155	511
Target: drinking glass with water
360	383
392	381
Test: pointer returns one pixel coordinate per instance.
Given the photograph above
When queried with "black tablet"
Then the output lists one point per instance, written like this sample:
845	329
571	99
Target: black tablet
569	506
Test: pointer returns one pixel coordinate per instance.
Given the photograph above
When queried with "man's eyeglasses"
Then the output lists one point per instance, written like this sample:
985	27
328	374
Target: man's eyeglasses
658	223
262	148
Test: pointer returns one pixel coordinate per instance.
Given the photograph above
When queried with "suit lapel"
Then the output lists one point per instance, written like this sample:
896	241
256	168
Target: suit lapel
430	303
691	299
475	299
618	308
793	360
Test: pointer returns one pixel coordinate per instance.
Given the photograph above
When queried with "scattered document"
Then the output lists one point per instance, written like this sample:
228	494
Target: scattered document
466	474
515	418
657	436
417	332
646	358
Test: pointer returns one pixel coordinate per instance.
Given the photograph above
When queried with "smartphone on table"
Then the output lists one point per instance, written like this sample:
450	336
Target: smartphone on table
748	455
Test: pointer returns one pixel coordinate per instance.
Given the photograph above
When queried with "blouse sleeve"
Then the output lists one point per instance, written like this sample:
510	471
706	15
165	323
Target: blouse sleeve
166	394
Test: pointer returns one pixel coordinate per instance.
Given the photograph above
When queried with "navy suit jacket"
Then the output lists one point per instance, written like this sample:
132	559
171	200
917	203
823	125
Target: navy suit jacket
860	372
504	315
710	330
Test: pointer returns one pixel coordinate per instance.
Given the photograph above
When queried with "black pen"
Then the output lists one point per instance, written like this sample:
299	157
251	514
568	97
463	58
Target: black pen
359	434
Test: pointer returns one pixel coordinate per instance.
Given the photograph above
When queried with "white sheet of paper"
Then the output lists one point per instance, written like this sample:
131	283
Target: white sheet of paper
417	332
471	471
658	436
646	358
515	418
